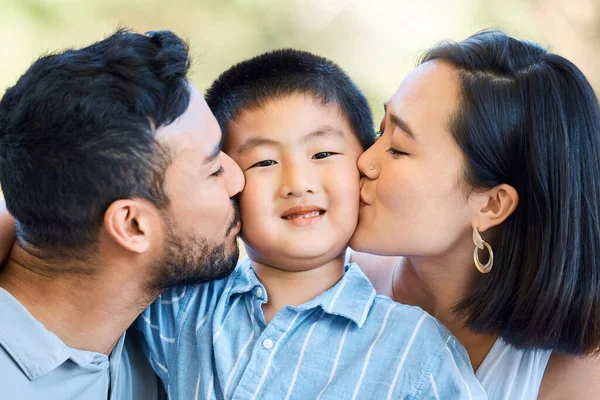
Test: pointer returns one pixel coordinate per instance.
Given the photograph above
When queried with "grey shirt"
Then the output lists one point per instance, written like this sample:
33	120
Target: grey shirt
36	364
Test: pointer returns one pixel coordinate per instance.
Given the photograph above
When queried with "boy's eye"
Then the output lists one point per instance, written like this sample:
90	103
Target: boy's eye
218	172
323	154
395	153
264	163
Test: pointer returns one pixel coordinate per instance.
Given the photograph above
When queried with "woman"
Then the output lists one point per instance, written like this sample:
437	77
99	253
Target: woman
486	179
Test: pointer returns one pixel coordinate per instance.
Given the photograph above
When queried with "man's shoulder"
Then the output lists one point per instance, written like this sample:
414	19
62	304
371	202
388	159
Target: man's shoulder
10	370
15	382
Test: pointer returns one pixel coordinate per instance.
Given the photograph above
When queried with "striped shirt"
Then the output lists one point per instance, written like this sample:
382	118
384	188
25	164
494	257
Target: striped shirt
211	342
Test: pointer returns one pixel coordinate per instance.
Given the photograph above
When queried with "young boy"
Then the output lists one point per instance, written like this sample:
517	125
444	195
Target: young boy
294	321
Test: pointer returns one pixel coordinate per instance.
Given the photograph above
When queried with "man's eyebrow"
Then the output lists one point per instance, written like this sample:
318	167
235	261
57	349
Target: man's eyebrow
324	131
400	123
256	142
213	156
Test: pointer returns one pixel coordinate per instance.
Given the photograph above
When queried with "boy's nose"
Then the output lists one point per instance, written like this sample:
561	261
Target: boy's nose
296	181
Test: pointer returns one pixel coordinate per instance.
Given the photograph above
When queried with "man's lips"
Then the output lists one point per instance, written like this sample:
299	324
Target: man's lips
235	221
363	201
303	211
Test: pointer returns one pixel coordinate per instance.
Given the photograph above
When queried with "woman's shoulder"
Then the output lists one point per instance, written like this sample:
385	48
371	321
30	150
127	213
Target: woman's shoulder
522	372
539	373
571	377
379	270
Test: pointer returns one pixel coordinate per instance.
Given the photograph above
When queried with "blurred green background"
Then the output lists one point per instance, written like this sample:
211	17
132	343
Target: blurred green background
376	41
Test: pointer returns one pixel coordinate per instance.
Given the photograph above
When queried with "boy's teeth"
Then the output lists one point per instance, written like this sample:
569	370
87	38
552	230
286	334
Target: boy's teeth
307	215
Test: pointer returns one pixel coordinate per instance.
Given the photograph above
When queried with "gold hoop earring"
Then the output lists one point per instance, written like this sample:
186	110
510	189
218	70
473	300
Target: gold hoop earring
479	244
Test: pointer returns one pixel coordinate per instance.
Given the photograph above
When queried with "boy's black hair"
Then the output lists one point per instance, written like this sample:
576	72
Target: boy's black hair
529	118
251	83
77	132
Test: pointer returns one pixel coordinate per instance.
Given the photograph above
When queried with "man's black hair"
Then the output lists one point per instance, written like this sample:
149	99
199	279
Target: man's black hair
77	132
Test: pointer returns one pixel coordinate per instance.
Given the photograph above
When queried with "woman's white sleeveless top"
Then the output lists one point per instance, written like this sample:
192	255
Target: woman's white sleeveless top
511	374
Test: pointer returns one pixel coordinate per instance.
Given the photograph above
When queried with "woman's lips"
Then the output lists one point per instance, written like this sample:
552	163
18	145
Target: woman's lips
363	201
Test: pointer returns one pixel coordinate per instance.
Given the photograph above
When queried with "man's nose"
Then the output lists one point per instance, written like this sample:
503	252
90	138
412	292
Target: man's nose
234	176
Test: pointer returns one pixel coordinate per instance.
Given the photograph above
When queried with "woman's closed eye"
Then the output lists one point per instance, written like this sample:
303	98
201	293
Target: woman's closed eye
396	153
323	154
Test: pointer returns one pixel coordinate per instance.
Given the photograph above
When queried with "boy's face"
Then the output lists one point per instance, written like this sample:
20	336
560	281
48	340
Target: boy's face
300	204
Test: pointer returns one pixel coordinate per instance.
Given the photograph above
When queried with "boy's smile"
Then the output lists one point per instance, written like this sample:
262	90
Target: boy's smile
303	214
300	203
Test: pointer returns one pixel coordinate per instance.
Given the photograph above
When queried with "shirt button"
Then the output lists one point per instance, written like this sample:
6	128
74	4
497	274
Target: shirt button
268	344
259	292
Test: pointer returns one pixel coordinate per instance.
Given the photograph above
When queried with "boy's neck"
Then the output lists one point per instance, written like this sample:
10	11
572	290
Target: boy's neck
288	288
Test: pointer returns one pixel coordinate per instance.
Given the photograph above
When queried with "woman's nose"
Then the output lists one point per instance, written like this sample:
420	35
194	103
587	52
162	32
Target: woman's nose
368	163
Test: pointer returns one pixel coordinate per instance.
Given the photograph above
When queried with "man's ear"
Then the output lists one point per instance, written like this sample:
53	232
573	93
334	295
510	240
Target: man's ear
130	223
8	232
494	206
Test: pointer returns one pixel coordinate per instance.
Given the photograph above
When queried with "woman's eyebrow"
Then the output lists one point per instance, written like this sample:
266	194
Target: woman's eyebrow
400	123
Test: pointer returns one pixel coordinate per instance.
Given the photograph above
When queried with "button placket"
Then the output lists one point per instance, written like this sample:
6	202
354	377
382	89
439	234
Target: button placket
262	352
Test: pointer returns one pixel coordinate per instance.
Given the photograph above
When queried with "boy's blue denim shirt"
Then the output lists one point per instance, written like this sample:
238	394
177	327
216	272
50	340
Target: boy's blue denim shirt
211	342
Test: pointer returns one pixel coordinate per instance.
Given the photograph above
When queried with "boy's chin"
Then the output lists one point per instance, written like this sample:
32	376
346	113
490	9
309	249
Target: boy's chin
297	259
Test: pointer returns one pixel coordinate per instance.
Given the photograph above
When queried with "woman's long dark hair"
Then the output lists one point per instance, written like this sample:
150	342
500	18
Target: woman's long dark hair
530	119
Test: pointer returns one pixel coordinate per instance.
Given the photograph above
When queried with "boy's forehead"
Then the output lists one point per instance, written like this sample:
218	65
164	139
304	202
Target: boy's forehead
253	141
297	117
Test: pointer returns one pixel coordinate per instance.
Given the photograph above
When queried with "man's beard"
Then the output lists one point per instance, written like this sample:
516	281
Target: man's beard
192	259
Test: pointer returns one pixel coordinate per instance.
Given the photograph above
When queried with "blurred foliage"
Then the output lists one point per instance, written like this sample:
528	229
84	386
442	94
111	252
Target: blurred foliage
376	41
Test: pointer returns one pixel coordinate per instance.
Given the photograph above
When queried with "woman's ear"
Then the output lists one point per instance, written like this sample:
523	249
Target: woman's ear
494	206
130	223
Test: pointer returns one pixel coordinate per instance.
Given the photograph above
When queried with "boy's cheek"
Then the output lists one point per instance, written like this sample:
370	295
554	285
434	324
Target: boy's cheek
254	197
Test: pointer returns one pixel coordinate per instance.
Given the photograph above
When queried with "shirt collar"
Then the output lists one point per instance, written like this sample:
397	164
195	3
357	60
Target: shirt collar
36	350
244	279
351	298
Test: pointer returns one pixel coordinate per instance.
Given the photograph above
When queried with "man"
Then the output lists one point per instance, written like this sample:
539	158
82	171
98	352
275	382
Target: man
110	163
